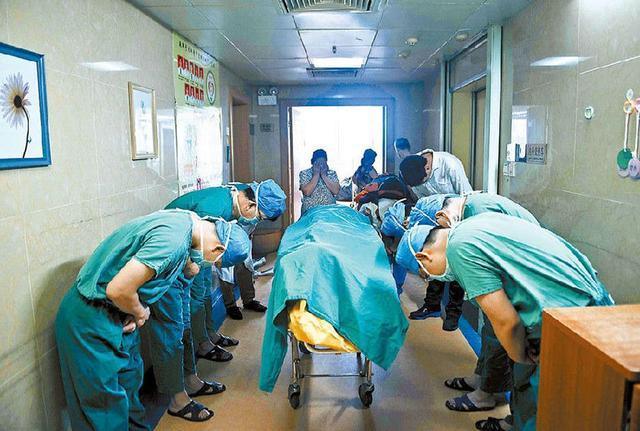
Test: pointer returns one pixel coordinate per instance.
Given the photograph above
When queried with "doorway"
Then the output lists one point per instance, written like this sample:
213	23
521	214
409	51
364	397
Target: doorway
344	132
468	106
241	151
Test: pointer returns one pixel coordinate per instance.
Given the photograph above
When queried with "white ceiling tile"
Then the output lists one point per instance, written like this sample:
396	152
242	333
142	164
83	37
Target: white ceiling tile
336	20
341	51
180	18
397	37
286	63
242	36
232	4
147	3
271	52
385	51
337	37
434	17
247	18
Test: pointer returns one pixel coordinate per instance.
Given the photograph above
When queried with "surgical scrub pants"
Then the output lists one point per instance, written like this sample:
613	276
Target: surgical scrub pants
169	332
244	280
101	366
202	325
435	291
493	366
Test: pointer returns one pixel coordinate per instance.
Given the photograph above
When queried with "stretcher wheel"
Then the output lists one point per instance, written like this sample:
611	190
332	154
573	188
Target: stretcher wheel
365	391
303	348
294	395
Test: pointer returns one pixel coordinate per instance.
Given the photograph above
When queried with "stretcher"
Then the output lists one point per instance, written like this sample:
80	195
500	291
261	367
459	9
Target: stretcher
308	334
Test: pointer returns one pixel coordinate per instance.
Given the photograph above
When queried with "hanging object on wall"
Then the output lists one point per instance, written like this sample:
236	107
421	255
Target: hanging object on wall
624	156
634	163
24	130
267	97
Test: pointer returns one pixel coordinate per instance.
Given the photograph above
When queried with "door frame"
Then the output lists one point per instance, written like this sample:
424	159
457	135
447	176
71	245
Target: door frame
286	160
235	98
493	75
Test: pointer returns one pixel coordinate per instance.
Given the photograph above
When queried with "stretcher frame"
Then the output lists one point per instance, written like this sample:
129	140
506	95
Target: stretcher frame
365	370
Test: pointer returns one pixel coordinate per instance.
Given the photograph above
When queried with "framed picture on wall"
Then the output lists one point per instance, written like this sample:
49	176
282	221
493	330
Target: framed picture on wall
142	115
24	130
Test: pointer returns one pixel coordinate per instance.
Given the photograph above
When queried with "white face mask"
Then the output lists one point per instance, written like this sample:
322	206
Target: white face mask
447	276
425	215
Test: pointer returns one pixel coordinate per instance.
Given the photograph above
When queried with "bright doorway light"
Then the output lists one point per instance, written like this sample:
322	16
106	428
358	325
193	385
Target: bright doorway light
338	62
344	132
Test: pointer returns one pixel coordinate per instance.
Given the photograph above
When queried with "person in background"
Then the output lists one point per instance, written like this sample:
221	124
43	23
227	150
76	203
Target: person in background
437	172
97	321
513	269
319	184
402	147
365	172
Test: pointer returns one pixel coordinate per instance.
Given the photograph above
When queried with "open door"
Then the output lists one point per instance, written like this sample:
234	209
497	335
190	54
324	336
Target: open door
241	149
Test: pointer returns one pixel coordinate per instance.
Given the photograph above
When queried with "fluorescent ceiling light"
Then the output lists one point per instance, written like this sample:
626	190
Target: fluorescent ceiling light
558	61
109	66
338	62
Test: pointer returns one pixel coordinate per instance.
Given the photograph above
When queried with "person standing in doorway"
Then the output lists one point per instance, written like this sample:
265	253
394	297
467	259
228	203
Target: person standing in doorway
319	184
402	147
365	172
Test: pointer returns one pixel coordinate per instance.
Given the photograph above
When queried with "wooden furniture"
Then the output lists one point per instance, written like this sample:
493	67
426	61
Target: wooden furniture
590	369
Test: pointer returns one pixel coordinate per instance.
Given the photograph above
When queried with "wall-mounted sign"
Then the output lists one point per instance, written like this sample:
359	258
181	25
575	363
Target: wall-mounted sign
195	74
537	153
268	100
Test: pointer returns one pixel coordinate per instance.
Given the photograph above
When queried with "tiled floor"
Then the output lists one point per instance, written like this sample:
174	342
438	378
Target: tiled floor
410	396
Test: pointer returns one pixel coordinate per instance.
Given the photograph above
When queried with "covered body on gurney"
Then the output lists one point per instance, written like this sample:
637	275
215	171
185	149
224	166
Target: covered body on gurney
334	260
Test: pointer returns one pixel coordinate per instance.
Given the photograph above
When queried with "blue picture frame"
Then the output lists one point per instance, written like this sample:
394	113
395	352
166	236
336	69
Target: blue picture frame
42	158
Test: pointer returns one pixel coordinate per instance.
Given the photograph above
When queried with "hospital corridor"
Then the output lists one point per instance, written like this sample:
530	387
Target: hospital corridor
310	215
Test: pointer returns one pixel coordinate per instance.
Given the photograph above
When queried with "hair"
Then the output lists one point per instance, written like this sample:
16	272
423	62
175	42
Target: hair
318	154
402	144
412	170
431	238
250	194
369	155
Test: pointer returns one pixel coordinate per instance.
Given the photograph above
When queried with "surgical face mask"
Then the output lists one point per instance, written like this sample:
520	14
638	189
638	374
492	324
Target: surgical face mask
414	253
425	215
447	276
197	256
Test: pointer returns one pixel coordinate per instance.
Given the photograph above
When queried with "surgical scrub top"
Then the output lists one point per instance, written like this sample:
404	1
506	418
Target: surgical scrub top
212	201
536	268
479	203
160	240
447	176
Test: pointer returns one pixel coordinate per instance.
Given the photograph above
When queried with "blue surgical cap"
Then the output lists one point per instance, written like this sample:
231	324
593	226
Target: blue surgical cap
426	208
392	222
405	256
236	241
271	198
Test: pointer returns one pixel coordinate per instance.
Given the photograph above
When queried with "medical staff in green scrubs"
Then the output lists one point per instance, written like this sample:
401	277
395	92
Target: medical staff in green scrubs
177	372
96	335
513	269
493	375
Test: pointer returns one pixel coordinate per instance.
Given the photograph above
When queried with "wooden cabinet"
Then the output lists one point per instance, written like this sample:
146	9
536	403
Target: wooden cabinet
590	369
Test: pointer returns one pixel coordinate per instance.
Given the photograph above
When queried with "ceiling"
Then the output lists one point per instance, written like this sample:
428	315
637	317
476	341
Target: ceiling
254	39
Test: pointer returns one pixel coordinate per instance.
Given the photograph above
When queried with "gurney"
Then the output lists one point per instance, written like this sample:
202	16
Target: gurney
334	260
311	335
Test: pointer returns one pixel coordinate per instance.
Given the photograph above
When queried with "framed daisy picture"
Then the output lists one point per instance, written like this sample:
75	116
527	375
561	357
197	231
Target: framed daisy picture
24	131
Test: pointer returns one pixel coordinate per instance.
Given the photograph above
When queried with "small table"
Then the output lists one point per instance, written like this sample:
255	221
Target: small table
590	369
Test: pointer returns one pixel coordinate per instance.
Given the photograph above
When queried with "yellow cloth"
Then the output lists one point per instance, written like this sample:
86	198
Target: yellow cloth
313	330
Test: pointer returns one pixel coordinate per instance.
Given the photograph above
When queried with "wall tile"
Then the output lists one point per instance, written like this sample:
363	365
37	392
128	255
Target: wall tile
59	241
608	34
4	25
10	193
120	208
21	403
17	323
43	27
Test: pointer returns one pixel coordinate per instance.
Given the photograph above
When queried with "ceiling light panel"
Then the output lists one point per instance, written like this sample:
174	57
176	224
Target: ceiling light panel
338	62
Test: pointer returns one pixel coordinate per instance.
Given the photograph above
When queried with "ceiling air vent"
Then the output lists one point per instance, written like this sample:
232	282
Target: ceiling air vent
295	6
333	73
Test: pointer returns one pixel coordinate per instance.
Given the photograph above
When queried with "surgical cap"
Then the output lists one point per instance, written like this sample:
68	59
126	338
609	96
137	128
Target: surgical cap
238	244
392	222
426	208
270	198
405	256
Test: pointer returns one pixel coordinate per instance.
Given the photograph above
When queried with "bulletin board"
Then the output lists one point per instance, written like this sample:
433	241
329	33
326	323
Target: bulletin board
198	117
